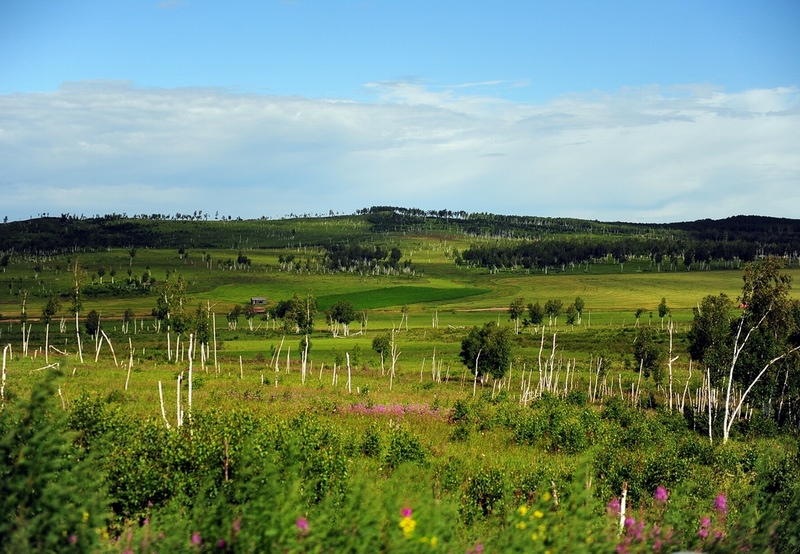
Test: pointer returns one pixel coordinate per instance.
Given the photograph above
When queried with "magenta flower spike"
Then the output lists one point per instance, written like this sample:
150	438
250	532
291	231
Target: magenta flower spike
302	525
661	494
721	504
406	512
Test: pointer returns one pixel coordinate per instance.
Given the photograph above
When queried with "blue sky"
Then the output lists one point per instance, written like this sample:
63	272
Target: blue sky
635	111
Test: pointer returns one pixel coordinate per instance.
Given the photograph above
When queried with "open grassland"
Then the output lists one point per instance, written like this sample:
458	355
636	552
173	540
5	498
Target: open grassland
340	453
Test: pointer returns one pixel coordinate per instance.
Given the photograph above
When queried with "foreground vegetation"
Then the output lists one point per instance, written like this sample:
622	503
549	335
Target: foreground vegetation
186	421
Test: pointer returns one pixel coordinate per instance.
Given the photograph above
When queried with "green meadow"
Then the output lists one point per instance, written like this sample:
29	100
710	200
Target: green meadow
270	452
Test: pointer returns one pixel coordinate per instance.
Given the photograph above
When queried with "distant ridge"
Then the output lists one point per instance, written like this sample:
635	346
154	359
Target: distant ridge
50	234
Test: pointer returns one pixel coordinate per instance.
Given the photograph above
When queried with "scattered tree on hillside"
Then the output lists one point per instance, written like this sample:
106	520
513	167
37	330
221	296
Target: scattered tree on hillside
553	309
93	323
710	334
297	313
50	309
767	317
341	313
381	344
394	257
127	317
648	353
535	314
571	314
48	312
487	350
663	310
516	311
233	317
579	305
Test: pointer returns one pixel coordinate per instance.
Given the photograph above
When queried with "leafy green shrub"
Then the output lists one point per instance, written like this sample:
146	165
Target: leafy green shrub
371	443
448	474
615	409
577	397
91	418
403	447
460	411
459	433
483	492
49	495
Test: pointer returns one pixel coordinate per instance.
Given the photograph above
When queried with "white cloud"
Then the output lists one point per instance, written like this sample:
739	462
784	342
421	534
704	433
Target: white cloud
645	154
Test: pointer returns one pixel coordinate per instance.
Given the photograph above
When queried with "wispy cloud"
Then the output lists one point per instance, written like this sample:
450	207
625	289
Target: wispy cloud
644	154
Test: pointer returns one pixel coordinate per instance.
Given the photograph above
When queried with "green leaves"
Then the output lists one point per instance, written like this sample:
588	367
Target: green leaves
49	494
488	349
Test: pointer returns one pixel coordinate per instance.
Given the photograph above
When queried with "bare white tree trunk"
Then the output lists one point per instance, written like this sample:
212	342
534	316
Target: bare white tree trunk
737	409
214	327
395	355
47	343
111	347
278	355
710	430
622	506
737	349
349	375
161	399
178	401
670	359
6	348
189	402
304	360
475	379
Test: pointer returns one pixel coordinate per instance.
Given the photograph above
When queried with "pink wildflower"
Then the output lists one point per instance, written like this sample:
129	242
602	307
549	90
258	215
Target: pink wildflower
629	522
702	533
613	507
721	504
197	540
705	522
73	539
237	525
406	512
302	525
221	544
661	494
637	530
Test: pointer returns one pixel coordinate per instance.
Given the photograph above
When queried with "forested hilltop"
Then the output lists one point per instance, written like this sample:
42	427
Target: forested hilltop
741	236
496	241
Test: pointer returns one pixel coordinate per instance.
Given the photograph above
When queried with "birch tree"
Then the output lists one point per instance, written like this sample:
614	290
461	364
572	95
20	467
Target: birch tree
516	311
48	312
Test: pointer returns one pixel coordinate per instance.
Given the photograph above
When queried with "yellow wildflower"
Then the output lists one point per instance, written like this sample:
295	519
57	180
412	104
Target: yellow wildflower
522	510
408	525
